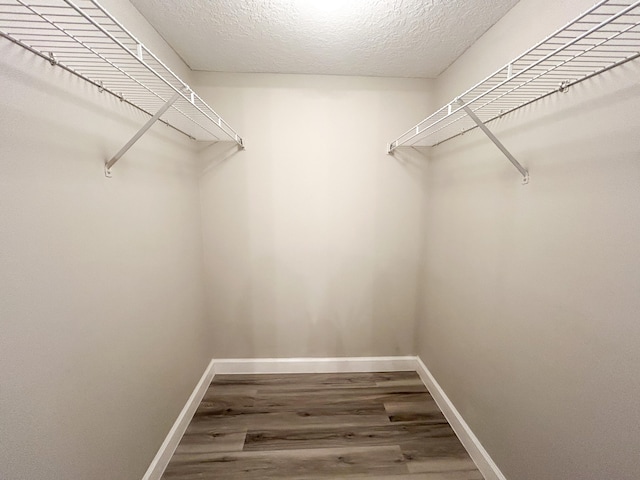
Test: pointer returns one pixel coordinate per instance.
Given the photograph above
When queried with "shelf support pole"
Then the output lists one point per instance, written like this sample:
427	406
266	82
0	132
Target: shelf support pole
140	133
523	171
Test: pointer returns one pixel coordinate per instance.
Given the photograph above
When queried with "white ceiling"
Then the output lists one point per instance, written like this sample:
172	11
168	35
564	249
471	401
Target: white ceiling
388	38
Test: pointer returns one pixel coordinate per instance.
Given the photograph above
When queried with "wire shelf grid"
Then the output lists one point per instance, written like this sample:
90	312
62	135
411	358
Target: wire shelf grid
602	38
84	39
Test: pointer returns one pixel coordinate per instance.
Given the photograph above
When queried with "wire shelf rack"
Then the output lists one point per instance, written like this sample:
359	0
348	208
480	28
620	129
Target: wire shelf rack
83	38
605	36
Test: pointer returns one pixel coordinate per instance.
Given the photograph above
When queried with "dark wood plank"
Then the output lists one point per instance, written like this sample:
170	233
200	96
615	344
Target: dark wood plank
313	380
212	441
405	381
342	391
299	464
451	475
359	398
215	389
383	426
242	396
283	420
443	447
309	409
463	465
214	404
338	436
423	411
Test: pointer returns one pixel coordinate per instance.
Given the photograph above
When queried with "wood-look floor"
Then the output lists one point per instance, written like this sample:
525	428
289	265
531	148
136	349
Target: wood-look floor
383	426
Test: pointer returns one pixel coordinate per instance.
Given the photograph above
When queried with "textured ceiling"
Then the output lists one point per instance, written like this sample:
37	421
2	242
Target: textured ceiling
389	38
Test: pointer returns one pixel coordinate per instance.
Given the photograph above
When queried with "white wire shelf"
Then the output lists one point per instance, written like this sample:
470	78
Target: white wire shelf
604	37
81	37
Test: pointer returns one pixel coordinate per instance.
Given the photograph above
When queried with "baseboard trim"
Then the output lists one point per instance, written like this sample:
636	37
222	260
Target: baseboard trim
480	456
168	447
314	365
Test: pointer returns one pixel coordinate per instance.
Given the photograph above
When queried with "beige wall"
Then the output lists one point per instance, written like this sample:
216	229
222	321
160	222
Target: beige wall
530	313
312	234
527	301
102	323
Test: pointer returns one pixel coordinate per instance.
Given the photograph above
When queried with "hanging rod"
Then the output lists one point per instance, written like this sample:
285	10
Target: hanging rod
81	37
605	36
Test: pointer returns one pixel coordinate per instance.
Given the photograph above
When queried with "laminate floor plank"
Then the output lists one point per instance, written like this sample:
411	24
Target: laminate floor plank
338	436
213	404
212	441
310	409
341	391
295	380
413	380
426	410
454	475
282	421
231	389
348	426
299	464
442	465
442	447
245	396
367	399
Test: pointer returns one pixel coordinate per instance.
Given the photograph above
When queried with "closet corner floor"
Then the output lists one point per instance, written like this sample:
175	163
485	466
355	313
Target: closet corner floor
320	426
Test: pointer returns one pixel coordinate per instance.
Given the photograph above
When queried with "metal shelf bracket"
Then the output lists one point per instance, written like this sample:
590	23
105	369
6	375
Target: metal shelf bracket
605	36
523	171
82	38
140	133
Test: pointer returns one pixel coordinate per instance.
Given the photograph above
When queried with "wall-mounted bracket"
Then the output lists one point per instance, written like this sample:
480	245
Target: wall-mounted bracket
523	171
604	37
83	39
141	132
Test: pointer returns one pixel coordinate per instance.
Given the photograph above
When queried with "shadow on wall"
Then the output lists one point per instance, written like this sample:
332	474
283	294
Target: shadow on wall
340	318
214	155
283	312
58	95
413	159
242	327
559	110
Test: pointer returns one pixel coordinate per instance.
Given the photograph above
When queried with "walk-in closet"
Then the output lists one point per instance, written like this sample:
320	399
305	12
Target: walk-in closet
319	239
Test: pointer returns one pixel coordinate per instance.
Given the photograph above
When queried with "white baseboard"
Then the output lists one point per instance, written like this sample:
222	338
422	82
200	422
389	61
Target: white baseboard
265	365
483	461
168	447
315	365
480	456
